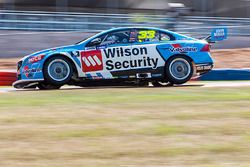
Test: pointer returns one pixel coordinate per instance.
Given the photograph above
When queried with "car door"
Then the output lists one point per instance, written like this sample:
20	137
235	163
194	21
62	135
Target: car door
146	60
109	58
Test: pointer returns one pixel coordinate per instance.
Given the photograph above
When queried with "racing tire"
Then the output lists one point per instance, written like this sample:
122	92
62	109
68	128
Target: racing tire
161	84
57	72
179	70
45	86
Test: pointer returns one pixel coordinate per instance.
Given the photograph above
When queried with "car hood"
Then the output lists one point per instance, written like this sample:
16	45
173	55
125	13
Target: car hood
52	50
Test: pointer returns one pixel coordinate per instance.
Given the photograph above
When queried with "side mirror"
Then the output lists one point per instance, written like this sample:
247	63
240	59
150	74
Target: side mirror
96	41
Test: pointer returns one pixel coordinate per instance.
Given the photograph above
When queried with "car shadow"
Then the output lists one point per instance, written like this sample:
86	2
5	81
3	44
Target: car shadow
67	88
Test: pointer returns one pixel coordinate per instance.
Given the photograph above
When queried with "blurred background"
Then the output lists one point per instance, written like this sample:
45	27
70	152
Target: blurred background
189	126
27	25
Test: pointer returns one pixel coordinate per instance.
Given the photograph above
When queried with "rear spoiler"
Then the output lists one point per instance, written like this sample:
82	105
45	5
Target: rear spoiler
217	34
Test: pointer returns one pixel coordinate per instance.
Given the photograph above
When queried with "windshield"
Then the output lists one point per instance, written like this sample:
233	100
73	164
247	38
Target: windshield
88	35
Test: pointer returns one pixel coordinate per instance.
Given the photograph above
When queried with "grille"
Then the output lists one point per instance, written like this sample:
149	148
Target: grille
19	65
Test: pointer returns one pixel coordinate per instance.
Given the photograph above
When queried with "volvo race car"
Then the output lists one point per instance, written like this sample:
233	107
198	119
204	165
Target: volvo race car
120	56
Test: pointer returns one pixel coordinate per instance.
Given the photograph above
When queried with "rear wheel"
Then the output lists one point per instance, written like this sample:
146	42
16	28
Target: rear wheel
57	72
179	70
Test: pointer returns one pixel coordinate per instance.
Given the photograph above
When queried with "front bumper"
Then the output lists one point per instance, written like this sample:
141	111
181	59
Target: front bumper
28	74
21	84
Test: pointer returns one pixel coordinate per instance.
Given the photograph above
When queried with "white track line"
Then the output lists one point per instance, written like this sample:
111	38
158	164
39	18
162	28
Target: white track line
227	84
6	90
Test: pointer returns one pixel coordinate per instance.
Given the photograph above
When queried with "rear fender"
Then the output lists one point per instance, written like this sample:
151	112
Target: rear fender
191	49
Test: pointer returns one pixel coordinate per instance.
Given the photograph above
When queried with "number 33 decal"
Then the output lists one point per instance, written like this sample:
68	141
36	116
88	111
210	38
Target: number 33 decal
146	34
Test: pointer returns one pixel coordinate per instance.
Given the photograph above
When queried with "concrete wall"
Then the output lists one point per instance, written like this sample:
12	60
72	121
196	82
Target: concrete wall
21	43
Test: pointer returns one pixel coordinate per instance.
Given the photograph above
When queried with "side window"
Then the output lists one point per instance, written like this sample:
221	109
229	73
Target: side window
166	37
119	37
147	35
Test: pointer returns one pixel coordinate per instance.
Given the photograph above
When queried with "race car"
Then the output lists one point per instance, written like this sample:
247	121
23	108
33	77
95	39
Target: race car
131	55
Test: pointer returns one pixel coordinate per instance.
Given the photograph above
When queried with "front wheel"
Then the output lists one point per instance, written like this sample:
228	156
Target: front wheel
45	86
57	71
179	70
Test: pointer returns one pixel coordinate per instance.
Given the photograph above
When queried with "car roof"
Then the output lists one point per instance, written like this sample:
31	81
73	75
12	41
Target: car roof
129	28
124	28
151	28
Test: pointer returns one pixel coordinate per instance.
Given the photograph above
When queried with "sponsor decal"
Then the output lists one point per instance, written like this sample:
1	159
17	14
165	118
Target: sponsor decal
75	53
97	77
114	59
26	71
102	47
75	56
35	59
113	55
29	73
91	61
176	45
90	48
178	48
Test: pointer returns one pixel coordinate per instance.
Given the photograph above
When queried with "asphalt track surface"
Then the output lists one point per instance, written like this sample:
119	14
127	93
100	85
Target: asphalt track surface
187	85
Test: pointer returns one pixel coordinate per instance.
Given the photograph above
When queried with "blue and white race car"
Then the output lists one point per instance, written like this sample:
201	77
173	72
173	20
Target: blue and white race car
120	56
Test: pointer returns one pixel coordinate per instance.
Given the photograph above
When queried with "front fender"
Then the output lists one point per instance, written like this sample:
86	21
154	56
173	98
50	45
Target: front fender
73	56
32	66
